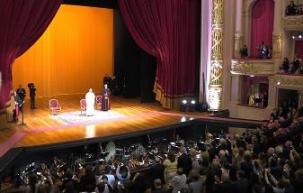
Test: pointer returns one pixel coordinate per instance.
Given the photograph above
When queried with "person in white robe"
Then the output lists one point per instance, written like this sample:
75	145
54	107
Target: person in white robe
90	102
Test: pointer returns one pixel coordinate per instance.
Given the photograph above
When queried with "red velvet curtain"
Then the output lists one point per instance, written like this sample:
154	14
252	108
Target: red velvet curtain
299	49
168	30
261	25
22	22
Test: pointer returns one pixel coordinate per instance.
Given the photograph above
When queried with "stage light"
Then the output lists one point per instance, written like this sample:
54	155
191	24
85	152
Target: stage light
192	106
183	119
293	37
251	76
183	105
278	83
300	36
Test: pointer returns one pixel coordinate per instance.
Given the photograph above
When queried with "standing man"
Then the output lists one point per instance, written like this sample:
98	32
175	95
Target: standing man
90	102
21	96
32	94
105	98
21	92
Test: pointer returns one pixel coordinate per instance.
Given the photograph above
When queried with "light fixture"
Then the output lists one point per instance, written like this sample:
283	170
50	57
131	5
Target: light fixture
193	102
293	37
183	105
278	83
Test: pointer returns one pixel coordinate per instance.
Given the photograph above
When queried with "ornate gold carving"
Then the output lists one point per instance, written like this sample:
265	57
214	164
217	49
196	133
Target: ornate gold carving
217	12
216	65
252	67
216	73
277	46
293	22
287	80
238	45
217	44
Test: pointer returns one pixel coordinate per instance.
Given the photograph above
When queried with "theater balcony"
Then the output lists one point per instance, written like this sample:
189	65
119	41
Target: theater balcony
293	23
289	81
254	67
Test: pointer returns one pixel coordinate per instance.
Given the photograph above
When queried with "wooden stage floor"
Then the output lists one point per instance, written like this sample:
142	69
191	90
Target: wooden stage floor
42	128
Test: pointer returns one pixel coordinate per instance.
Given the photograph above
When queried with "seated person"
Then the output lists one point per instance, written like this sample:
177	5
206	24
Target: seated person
263	51
291	9
244	52
285	66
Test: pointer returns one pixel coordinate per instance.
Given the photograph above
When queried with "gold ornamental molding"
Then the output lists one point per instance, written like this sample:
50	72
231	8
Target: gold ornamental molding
289	81
252	67
238	39
277	45
215	91
293	22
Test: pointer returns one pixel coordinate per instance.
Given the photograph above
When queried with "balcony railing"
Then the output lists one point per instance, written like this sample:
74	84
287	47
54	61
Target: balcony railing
293	22
288	80
252	67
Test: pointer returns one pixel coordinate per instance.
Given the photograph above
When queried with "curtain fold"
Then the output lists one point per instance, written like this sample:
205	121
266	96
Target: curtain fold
298	49
168	30
262	22
22	23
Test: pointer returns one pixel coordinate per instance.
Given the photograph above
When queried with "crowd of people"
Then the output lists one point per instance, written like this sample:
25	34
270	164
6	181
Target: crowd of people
263	160
293	9
294	67
263	51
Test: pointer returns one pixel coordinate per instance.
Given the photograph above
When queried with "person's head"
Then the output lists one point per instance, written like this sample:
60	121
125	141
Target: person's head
157	183
180	171
90	90
183	150
171	156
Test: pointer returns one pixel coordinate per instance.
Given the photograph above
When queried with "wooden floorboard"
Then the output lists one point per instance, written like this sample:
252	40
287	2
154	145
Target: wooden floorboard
42	129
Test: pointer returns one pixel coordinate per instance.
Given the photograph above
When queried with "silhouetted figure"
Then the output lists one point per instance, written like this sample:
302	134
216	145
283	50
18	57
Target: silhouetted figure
21	96
291	9
244	52
32	94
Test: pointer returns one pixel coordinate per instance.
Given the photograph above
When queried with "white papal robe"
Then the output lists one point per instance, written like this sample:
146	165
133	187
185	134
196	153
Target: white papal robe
90	103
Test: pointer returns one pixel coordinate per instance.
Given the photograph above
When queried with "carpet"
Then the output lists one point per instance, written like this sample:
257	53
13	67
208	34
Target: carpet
75	117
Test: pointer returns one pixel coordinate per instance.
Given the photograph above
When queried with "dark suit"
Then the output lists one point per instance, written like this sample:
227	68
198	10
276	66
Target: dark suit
185	162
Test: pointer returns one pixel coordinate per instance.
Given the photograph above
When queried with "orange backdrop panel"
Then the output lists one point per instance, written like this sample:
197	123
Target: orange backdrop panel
73	55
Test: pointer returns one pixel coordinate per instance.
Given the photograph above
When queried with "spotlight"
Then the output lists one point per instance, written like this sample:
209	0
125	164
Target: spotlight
293	37
183	105
192	105
300	36
278	83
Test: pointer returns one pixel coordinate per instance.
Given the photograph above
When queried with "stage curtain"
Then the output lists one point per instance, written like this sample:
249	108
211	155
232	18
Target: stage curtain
168	30
299	49
72	55
262	21
22	22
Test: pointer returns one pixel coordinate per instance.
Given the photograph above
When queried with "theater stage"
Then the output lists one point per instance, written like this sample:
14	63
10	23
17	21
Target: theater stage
127	116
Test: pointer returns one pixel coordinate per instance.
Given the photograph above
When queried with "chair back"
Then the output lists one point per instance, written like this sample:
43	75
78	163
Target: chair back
99	99
53	103
83	104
